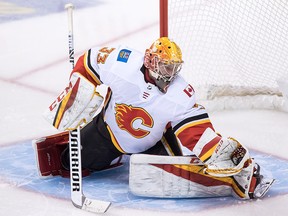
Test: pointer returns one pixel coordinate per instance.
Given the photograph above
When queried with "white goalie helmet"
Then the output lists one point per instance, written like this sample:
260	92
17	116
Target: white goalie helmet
164	61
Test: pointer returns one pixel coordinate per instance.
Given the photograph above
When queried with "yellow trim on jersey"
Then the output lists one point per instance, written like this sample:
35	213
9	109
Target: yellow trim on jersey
91	73
198	170
167	146
183	127
107	98
114	141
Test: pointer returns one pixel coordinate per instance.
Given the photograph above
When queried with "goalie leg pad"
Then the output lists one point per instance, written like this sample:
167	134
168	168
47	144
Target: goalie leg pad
176	177
173	177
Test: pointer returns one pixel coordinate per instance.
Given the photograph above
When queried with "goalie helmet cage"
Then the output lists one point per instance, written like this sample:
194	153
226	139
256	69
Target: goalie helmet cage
234	51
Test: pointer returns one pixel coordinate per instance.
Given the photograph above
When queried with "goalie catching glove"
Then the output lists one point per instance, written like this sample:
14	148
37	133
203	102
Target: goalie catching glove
221	156
75	106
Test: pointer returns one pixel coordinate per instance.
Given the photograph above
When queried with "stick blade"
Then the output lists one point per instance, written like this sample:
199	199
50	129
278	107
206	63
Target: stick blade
96	206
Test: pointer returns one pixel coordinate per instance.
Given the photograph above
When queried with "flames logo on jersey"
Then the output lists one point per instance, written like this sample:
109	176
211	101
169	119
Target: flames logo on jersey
127	115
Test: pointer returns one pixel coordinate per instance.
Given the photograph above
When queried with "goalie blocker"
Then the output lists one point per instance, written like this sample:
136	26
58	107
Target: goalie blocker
76	105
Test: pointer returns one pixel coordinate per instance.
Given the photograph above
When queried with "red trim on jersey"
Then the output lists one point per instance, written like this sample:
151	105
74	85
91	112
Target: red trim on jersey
190	135
80	68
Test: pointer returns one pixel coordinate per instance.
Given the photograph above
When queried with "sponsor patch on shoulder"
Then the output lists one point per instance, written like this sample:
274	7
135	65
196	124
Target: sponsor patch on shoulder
123	55
189	90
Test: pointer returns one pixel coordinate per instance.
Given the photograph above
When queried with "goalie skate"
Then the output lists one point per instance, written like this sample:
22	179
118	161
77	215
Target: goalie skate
262	188
261	184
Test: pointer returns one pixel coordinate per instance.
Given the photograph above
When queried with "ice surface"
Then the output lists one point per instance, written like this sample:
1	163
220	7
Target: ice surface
35	68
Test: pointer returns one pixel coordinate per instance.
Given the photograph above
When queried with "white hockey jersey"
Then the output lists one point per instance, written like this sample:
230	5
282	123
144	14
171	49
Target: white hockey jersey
137	113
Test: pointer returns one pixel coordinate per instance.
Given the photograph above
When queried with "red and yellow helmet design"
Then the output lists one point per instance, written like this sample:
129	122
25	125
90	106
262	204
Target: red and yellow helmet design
164	61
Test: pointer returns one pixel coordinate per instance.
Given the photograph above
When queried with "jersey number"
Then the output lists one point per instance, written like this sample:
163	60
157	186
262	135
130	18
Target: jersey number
103	54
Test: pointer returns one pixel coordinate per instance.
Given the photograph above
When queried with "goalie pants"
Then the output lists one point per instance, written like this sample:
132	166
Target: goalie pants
98	150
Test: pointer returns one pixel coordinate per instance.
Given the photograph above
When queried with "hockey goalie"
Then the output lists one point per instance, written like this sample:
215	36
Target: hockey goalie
149	112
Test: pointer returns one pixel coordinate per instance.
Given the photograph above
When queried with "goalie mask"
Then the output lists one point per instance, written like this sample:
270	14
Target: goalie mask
164	61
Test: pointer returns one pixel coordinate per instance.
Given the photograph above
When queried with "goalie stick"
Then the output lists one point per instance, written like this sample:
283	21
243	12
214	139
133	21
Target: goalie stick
78	199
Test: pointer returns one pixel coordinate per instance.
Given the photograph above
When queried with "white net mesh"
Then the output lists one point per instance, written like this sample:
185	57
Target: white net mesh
231	47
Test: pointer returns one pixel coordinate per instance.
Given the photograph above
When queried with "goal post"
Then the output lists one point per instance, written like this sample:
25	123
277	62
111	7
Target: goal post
163	18
234	52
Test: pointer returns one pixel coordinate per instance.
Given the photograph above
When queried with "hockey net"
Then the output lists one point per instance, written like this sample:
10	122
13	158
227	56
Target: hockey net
234	52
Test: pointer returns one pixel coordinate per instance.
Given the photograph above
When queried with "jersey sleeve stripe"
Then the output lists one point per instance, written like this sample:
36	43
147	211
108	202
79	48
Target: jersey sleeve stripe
191	124
87	64
190	134
189	120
